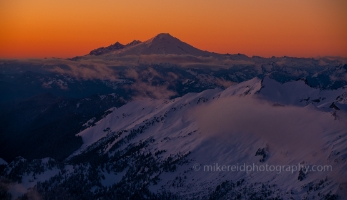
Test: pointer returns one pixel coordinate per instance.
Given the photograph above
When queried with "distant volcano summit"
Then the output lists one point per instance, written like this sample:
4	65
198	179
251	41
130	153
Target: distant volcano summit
162	44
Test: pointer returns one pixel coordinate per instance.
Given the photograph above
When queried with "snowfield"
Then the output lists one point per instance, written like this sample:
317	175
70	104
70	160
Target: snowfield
179	147
228	127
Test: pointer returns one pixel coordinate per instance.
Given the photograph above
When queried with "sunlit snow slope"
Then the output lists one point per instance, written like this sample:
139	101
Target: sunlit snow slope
257	122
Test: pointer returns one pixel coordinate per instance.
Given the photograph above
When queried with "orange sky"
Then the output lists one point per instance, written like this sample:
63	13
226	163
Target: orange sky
67	28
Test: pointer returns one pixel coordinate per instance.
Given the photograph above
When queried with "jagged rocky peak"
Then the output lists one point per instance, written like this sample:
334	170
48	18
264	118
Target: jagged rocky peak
134	42
114	47
103	50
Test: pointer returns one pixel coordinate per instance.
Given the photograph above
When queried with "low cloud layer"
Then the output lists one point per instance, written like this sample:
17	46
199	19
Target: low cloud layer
285	128
145	89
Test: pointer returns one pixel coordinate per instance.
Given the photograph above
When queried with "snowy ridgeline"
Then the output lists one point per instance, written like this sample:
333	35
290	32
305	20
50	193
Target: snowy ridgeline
256	139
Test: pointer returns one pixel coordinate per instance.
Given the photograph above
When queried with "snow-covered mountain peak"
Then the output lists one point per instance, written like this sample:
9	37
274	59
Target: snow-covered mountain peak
161	44
164	36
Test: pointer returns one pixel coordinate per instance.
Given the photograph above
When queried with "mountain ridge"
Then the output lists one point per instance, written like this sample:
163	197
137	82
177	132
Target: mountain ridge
113	47
152	148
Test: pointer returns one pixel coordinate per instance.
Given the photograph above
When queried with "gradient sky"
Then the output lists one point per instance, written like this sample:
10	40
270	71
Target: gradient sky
67	28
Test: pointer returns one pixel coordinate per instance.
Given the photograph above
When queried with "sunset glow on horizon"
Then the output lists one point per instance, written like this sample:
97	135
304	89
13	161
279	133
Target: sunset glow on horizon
44	28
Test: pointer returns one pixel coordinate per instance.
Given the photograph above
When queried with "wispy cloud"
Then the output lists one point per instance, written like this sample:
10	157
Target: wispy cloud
147	88
287	128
